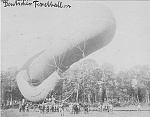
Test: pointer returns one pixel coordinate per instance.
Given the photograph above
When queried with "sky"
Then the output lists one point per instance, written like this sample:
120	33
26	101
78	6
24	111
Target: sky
23	30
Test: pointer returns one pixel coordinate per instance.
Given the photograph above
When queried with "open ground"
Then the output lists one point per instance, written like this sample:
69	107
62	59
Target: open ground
118	112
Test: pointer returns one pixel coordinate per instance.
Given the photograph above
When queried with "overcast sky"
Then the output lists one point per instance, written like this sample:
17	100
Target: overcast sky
25	28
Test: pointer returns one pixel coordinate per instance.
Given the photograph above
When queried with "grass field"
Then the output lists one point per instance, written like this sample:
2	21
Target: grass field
116	113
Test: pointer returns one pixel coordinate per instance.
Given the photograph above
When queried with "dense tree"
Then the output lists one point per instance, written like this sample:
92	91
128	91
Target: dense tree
80	79
86	81
9	88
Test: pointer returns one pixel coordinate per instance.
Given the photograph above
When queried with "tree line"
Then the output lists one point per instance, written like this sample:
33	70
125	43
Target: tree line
86	81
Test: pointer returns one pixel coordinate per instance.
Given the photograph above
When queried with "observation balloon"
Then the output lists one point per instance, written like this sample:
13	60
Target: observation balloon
84	31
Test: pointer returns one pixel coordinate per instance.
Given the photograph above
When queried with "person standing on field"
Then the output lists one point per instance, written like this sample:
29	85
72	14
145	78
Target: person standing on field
139	107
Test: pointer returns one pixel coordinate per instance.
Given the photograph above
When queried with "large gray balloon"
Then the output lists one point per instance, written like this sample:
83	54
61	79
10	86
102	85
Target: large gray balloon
86	30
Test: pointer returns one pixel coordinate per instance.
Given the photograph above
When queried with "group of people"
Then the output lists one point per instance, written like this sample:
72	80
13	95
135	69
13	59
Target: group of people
105	107
73	108
49	108
23	107
76	108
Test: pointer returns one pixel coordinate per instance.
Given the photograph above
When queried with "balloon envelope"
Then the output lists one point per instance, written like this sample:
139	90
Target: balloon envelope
84	31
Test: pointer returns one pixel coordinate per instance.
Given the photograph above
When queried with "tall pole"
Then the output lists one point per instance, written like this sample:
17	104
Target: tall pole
137	94
77	92
83	84
10	91
104	85
62	91
83	91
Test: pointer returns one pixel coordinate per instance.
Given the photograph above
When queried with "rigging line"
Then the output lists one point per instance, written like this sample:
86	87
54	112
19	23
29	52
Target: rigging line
55	62
50	64
65	99
84	48
72	91
56	65
63	58
71	94
81	49
59	57
58	61
73	45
